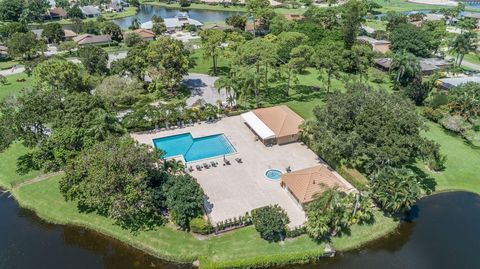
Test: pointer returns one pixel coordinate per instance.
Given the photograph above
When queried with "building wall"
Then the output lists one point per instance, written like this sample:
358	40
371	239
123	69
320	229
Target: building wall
288	139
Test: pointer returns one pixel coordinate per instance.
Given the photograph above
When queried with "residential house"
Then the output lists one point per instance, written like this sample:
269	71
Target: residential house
56	13
451	83
69	34
3	51
145	34
274	125
381	46
90	11
180	21
303	185
427	65
89	39
217	27
475	17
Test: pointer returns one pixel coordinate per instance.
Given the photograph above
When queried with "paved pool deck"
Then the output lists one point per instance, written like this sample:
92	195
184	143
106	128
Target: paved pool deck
235	189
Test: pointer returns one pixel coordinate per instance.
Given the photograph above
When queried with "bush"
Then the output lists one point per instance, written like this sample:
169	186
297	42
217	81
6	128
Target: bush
200	226
433	114
439	99
271	222
295	232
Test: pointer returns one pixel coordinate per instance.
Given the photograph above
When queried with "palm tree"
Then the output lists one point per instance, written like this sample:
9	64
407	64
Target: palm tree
462	44
228	83
405	67
395	189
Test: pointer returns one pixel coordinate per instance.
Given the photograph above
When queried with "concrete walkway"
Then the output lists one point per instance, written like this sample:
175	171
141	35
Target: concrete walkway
203	87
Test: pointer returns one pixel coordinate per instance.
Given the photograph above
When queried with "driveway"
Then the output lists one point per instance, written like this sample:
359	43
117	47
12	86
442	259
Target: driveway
202	87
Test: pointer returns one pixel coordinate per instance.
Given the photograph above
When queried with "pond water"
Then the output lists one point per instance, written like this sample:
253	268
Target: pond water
443	232
147	11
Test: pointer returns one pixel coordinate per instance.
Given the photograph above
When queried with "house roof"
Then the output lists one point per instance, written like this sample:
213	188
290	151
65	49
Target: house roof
86	39
426	64
57	11
294	17
372	41
280	119
260	128
473	15
69	33
90	10
450	83
143	33
306	183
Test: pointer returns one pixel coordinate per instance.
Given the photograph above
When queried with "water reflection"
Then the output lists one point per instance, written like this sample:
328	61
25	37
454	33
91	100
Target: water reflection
147	11
443	232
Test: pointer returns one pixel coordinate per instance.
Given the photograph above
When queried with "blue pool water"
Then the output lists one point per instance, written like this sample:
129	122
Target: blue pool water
273	174
194	149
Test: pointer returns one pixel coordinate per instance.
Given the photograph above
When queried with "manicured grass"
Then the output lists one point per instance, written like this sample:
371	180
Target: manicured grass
298	11
165	242
403	5
4	65
376	24
127	12
204	64
13	86
8	166
473	58
462	165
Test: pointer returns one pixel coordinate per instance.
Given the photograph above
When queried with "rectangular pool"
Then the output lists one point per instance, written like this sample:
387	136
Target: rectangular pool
194	149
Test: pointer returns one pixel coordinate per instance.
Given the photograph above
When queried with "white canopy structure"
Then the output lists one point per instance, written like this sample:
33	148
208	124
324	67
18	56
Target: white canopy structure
258	126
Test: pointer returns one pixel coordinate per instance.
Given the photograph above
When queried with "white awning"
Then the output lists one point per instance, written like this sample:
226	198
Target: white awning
258	126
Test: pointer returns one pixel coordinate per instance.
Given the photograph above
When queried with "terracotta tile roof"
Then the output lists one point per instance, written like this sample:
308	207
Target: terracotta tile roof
145	33
305	183
69	33
92	39
280	119
58	11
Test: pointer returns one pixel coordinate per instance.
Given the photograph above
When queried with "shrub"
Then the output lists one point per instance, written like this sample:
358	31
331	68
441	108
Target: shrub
439	99
200	226
433	114
271	222
295	232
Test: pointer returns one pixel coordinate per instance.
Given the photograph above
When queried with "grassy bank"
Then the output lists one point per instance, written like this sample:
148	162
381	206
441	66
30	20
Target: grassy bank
167	243
127	12
8	166
222	8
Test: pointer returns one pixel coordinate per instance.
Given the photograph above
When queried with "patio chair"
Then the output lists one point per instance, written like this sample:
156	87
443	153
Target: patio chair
227	162
239	160
190	168
214	164
199	168
288	169
206	165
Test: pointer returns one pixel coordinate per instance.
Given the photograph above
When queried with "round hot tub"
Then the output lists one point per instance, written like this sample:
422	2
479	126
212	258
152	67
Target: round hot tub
273	174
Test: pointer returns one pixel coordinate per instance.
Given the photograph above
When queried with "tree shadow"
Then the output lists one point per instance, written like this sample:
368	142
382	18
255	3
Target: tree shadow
427	182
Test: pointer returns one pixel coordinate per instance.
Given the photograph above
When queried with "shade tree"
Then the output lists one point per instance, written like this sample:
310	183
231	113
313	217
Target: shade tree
271	222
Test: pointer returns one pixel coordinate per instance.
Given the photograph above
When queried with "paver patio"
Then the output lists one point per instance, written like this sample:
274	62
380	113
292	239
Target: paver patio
235	189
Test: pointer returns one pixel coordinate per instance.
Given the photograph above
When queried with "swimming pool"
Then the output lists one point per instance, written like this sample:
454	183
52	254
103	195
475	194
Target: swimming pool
194	149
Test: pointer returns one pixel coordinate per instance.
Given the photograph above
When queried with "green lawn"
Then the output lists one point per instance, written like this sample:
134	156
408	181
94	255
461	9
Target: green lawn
127	12
7	64
376	24
463	161
403	5
204	64
14	86
8	166
168	243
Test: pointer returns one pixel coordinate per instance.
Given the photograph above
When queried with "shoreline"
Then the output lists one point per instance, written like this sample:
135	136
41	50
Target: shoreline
301	253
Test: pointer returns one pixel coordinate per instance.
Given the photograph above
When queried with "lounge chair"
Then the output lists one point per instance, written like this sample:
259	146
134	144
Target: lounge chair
190	168
214	164
199	168
227	162
239	160
206	165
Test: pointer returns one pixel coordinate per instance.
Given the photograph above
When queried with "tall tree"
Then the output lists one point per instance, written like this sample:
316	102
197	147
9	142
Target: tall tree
59	75
184	198
53	32
212	40
10	10
462	44
23	45
112	29
328	57
120	179
95	59
367	129
353	14
405	68
169	61
271	222
412	39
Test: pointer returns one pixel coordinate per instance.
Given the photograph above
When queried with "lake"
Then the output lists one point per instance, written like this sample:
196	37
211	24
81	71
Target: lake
147	11
443	232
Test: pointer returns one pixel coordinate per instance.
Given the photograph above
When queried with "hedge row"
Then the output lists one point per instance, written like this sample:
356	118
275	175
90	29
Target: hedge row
266	261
